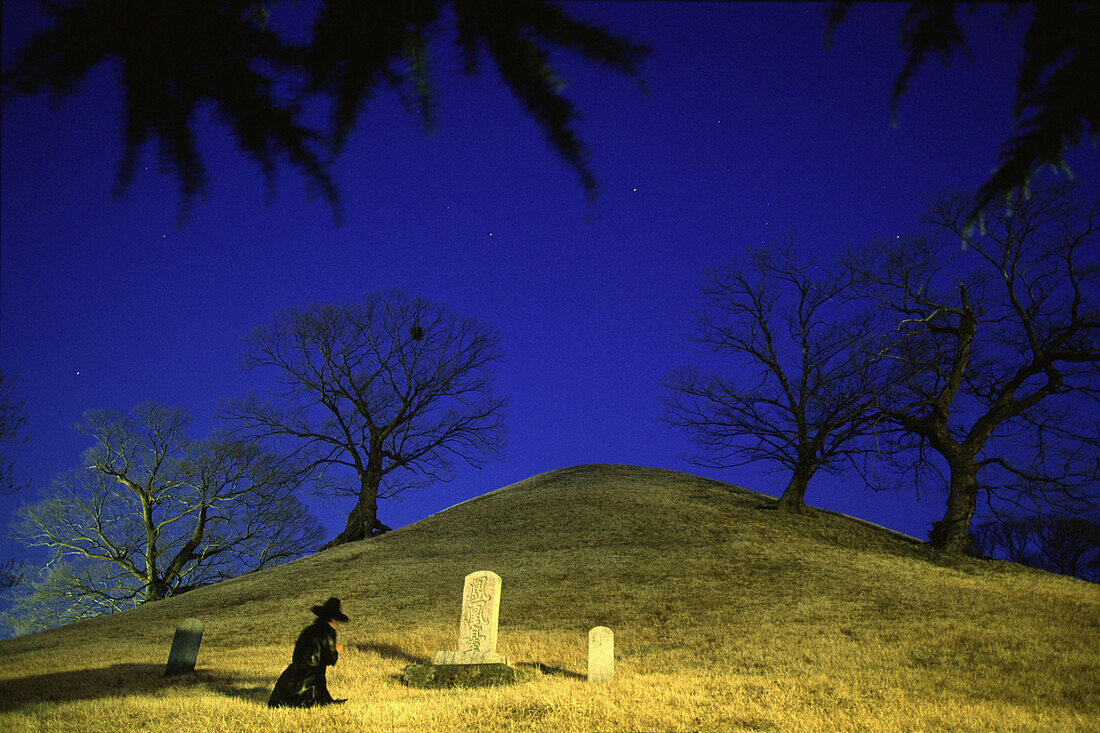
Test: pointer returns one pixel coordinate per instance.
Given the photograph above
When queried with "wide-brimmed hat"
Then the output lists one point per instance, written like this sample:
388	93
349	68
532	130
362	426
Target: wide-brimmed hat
331	609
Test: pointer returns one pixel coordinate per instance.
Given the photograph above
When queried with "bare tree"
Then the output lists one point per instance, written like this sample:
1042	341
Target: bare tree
804	391
388	391
1005	537
13	419
1069	545
151	514
11	574
994	351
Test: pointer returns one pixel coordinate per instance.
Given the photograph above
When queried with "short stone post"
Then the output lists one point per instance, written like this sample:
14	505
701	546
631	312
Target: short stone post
185	647
601	655
477	626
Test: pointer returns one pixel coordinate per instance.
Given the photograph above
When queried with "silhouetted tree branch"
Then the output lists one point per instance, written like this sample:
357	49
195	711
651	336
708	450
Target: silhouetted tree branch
11	574
13	419
1069	545
175	58
1057	99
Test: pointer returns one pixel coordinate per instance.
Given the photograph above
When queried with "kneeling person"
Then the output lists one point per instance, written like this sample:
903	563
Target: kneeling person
303	683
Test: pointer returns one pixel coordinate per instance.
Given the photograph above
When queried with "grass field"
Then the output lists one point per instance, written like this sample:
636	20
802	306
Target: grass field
727	616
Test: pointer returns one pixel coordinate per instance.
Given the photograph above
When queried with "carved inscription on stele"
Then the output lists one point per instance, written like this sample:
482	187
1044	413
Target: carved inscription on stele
477	629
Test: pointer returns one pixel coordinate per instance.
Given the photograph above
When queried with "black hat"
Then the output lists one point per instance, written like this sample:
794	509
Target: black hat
331	609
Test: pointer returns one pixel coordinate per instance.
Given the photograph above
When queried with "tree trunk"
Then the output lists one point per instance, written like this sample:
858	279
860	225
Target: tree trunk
364	517
155	590
360	522
952	533
793	496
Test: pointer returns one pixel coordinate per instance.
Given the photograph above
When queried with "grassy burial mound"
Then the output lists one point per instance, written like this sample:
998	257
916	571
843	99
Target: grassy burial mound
726	616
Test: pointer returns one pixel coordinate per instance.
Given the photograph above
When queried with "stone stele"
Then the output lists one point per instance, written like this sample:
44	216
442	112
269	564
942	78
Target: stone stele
477	626
185	647
601	655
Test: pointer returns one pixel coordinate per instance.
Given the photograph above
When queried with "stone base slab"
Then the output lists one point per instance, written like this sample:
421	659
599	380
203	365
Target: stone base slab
442	676
469	658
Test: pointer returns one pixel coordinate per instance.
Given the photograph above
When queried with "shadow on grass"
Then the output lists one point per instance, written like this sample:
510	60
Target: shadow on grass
390	651
252	689
119	680
552	671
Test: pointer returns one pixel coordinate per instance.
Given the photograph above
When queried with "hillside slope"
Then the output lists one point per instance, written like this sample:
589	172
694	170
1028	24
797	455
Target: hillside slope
727	616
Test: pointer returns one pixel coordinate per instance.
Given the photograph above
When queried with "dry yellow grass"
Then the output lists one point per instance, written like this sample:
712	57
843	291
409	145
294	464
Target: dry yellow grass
727	616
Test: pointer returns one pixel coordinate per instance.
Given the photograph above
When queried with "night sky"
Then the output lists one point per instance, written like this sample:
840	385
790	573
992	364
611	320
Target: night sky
750	130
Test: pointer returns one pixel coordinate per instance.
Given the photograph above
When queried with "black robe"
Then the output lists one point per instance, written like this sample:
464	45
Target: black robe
303	684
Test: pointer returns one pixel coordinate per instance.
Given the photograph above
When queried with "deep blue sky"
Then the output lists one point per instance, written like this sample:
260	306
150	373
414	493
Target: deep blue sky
751	130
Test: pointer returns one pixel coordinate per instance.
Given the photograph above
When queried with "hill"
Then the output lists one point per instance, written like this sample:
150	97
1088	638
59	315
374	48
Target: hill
727	616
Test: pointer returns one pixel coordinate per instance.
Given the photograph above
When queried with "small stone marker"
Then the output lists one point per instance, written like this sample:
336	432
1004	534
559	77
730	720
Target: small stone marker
477	627
601	655
185	647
